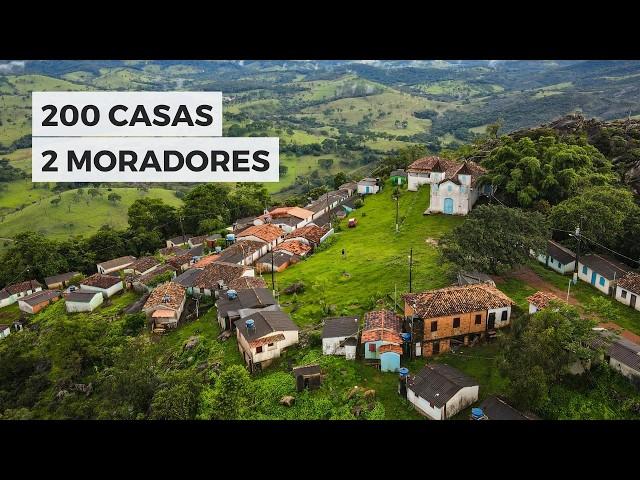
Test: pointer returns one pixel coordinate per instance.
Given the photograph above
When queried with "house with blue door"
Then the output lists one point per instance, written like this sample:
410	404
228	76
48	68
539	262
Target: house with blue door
558	258
368	186
601	271
628	290
382	340
454	191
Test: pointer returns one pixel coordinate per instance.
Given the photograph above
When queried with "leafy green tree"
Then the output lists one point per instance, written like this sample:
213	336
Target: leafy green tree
495	238
149	214
609	216
178	400
230	397
114	197
30	255
539	350
208	200
107	243
339	179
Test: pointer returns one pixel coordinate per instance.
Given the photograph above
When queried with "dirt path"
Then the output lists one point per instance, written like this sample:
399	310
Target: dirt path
528	276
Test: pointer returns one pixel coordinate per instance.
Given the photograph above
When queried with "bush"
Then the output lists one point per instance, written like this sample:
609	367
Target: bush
315	339
296	287
133	324
357	203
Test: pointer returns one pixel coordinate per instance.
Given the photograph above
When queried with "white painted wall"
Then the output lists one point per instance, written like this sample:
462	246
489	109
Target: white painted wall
372	189
627	300
463	196
624	369
424	407
331	346
84	307
498	312
532	308
5	333
268	353
107	292
586	277
461	400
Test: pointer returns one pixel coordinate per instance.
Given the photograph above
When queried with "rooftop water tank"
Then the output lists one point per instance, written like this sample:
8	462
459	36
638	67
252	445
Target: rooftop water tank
231	294
218	249
404	371
250	324
231	237
406	337
477	413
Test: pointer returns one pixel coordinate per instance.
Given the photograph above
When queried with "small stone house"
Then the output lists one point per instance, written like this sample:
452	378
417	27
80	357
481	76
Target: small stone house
106	284
263	336
12	293
39	300
601	271
307	377
115	265
335	332
628	290
440	391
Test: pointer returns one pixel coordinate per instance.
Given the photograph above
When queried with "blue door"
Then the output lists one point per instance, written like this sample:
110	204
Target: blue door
448	206
593	278
367	189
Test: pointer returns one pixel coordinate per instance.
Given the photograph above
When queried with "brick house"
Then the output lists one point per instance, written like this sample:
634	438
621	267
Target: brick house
455	315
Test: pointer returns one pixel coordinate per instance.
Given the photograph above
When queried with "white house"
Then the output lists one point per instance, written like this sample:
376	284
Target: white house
335	333
624	356
455	191
427	171
83	301
11	293
105	284
286	218
266	233
237	304
558	258
368	185
217	275
628	290
115	265
37	301
263	336
439	391
601	271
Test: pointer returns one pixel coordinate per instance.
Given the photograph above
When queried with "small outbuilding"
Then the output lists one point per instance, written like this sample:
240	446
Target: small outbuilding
335	333
82	301
558	258
495	408
108	285
368	186
628	290
307	377
540	300
440	391
115	265
60	281
398	177
37	301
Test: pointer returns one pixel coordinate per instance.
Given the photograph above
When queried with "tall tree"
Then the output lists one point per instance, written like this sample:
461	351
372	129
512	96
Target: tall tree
494	238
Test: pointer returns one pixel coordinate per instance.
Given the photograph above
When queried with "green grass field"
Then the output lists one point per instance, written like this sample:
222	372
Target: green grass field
81	218
376	261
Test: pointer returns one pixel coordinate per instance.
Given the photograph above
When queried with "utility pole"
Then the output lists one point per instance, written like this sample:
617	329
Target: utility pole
577	235
181	226
410	269
397	208
273	275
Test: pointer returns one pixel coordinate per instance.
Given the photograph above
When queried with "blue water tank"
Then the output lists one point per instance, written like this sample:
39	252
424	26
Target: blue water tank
231	237
403	372
231	294
406	337
218	249
250	324
477	413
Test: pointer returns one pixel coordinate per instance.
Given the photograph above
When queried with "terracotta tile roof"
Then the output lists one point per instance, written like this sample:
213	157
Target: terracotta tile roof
542	299
22	286
163	313
631	282
117	262
390	348
311	232
298	212
100	281
294	246
172	251
467	167
382	325
219	271
266	232
204	261
265	340
431	163
144	263
180	260
247	282
458	299
173	295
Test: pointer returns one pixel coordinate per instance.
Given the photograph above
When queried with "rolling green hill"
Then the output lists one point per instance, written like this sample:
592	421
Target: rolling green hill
78	218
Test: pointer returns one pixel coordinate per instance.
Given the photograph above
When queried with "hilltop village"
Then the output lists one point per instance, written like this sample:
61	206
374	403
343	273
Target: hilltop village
237	275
